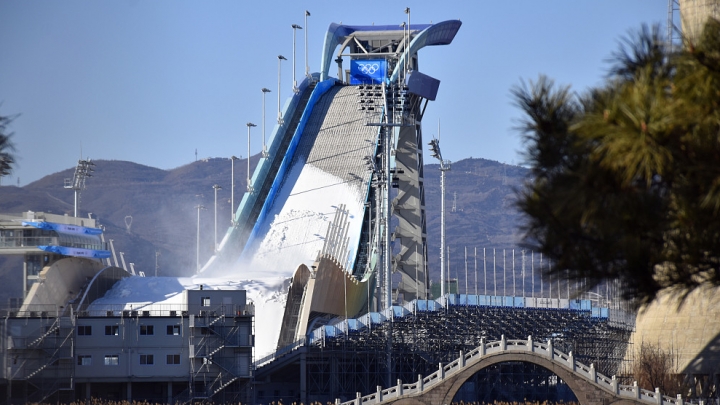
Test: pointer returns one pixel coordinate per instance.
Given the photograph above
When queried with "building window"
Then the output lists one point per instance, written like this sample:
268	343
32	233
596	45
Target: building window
173	359
205	301
112	330
112	360
173	330
84	360
147	330
146	359
84	330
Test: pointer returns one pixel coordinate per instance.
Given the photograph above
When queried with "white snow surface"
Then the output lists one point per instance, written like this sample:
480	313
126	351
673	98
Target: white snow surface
295	227
293	233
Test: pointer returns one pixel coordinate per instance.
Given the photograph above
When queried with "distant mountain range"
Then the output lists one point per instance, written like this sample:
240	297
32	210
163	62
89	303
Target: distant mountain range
147	210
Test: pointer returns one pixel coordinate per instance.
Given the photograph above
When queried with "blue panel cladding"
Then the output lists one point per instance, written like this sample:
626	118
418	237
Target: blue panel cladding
370	71
423	85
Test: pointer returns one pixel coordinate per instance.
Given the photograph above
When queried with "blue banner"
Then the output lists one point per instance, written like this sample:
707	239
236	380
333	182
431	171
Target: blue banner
63	228
371	71
76	252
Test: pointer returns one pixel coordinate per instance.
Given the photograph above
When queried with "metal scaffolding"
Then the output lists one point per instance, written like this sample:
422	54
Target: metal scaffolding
412	341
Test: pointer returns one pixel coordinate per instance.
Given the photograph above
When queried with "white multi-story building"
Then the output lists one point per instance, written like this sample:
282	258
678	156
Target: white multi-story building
60	346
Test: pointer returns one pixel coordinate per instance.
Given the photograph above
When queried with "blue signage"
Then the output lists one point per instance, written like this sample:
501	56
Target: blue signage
76	252
369	71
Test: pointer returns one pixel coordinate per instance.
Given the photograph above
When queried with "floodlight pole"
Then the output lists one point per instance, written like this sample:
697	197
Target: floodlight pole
265	153
216	188
295	28
307	65
444	166
198	207
249	186
407	44
232	190
83	170
279	117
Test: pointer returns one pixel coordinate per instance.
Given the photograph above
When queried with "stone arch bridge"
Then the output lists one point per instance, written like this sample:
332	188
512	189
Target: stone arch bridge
589	386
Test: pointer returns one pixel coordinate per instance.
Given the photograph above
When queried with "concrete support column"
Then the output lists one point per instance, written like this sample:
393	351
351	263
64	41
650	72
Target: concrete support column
169	392
303	378
88	390
128	394
420	385
25	278
379	393
399	389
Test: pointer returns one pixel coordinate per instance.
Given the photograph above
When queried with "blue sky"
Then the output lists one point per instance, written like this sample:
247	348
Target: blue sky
152	81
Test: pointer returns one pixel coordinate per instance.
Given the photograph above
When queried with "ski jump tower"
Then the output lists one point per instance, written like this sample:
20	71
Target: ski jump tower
393	94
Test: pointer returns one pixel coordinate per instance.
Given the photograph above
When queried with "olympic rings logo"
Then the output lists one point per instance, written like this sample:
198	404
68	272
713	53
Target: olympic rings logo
369	68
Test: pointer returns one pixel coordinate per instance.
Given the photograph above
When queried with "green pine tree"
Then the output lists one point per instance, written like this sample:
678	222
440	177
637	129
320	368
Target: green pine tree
626	177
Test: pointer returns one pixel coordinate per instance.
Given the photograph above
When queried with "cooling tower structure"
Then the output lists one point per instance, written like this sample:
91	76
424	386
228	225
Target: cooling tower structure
694	14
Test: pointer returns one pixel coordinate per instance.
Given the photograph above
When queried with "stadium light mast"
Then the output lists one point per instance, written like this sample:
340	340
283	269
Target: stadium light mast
198	207
216	187
249	186
444	166
295	28
83	170
232	189
307	65
279	118
265	153
407	44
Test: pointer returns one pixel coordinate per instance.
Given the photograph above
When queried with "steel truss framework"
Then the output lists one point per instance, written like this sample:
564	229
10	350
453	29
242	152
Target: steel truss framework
415	344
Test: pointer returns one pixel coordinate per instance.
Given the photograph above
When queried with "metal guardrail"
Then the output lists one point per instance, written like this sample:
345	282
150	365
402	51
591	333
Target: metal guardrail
545	349
279	353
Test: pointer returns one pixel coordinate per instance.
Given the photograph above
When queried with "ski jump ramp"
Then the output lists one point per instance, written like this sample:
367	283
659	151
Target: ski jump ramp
339	198
333	224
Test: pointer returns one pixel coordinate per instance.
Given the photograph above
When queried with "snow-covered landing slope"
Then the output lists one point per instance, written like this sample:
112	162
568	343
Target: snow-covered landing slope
327	171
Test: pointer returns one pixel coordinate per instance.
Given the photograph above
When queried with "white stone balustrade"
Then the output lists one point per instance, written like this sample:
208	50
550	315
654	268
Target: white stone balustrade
530	347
